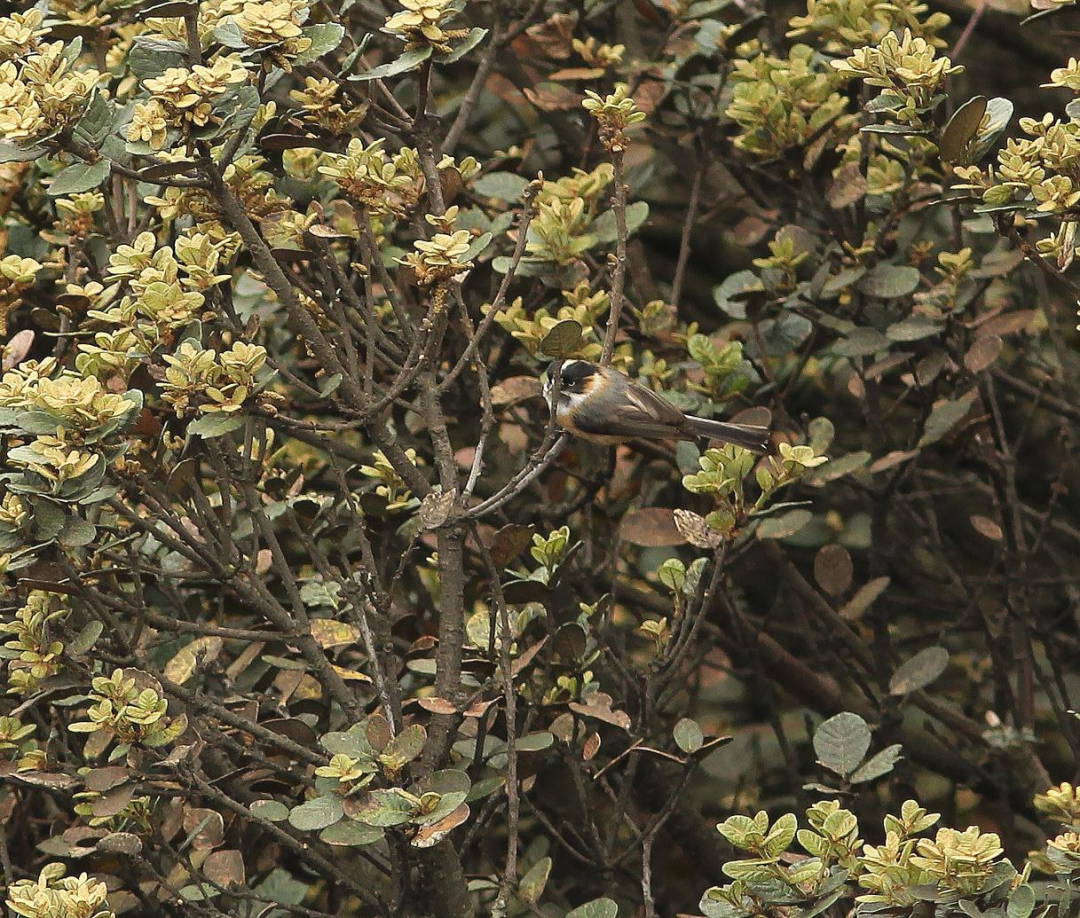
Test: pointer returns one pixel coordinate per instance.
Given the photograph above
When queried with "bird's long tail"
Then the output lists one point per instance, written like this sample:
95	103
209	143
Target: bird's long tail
749	436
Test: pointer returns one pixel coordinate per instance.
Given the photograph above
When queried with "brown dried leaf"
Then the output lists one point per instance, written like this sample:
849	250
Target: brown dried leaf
248	656
695	530
652	527
293	728
226	868
527	657
102	779
864	598
576	73
53	780
206	825
590	747
1008	323
321	231
435	509
515	389
120	843
833	569
329	633
182	666
432	834
895	458
15	351
552	38
479	708
983	353
758	416
600	709
437	705
848	187
289	142
553	97
350	675
378	733
510	541
985	526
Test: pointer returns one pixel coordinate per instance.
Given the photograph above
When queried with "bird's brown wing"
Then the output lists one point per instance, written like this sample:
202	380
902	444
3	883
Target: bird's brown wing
640	412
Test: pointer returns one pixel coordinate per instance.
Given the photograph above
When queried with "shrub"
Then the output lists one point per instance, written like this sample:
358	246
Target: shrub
309	608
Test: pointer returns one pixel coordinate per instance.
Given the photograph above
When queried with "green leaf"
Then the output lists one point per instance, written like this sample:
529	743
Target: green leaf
605	229
229	34
385	808
408	744
86	638
840	281
812	842
96	121
325	37
841	742
216	424
886	102
272	810
531	886
887	282
811	911
504	186
781	335
688	735
13	153
961	128
914	328
730	294
470	41
77	532
892	129
79	177
999	112
562	340
48	518
479	244
352	742
919	671
350	834
1021	902
280	887
970	909
198	892
535	742
316	814
862	342
598	908
944	416
838	468
750	871
880	764
737	829
784	525
781	835
410	60
150	57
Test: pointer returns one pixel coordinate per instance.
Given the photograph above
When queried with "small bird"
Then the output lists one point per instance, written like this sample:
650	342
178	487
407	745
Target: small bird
606	406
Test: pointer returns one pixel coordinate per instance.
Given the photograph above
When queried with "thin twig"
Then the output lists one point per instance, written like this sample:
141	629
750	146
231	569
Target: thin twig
618	277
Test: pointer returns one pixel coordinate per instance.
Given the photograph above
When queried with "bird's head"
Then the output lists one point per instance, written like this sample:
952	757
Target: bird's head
577	380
